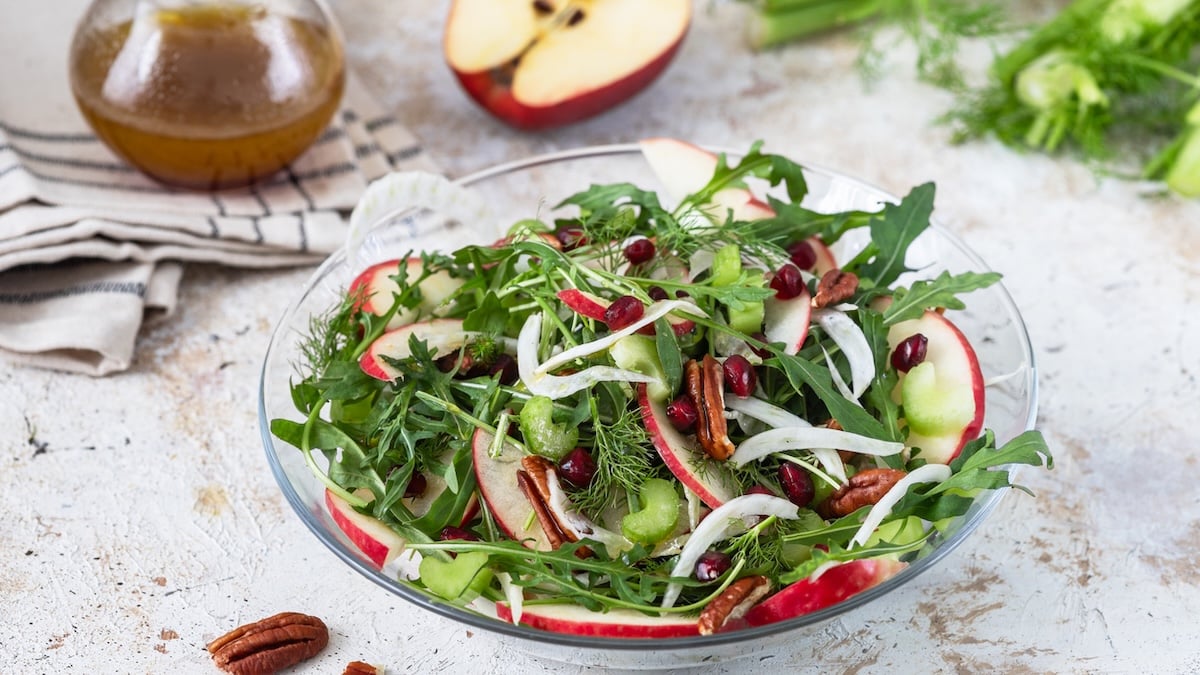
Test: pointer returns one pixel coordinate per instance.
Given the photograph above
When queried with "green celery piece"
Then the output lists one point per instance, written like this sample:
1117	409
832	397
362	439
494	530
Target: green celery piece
659	515
542	434
1184	175
727	265
449	579
782	21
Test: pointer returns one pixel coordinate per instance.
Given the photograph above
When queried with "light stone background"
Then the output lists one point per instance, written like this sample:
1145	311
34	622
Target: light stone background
140	520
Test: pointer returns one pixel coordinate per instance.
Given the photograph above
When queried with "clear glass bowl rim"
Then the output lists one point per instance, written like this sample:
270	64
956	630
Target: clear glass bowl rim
983	506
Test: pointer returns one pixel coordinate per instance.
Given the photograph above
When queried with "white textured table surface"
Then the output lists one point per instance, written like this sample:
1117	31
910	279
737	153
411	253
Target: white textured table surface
140	519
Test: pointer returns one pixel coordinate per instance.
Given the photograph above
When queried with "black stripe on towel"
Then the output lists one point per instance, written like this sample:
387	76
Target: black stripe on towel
29	297
47	136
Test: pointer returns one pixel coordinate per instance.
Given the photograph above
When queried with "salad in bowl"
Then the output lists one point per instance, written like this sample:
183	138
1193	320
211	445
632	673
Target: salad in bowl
655	414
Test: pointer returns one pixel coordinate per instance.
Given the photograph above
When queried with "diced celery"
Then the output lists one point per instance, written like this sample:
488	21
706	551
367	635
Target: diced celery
542	434
659	514
450	579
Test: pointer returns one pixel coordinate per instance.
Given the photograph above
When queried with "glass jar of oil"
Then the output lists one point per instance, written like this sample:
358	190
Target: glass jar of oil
207	94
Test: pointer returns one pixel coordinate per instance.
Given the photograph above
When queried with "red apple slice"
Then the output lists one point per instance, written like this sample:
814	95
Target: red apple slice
615	623
955	409
684	168
442	336
833	586
787	321
593	307
584	303
497	480
378	289
711	481
542	64
377	541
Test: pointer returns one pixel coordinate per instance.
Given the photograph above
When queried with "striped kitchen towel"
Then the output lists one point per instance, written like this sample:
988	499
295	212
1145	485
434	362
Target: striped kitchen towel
66	201
89	247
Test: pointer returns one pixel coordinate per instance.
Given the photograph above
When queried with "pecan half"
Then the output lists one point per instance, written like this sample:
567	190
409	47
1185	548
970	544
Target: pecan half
554	532
733	603
361	668
864	488
269	645
834	287
705	382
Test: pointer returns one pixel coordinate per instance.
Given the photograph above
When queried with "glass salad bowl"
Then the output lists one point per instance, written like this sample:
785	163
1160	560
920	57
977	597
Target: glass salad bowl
530	188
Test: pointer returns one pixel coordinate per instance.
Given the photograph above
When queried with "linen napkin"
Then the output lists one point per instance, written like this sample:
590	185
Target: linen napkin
89	246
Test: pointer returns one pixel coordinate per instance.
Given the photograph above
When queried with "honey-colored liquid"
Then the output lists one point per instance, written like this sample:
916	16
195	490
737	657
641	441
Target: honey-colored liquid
208	96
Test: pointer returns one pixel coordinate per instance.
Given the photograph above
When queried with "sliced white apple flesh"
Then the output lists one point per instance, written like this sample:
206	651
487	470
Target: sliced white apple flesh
787	321
684	168
497	480
536	68
377	541
829	588
615	623
711	481
378	290
943	397
442	336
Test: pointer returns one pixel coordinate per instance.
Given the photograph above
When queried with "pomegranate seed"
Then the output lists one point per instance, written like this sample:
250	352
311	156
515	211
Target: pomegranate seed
711	565
450	533
570	237
506	367
787	282
760	490
639	251
739	375
416	485
796	483
577	468
802	254
624	311
762	353
910	353
657	293
683	414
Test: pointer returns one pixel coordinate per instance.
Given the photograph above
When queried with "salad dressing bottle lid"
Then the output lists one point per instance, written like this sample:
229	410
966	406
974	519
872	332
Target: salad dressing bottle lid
208	94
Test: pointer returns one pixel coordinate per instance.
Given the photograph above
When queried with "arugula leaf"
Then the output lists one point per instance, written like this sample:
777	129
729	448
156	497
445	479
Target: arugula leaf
891	233
941	291
668	353
802	372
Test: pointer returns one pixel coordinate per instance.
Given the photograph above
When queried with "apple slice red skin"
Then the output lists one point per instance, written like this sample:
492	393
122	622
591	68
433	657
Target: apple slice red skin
372	362
497	481
835	585
616	623
361	289
378	542
973	428
675	453
497	98
586	304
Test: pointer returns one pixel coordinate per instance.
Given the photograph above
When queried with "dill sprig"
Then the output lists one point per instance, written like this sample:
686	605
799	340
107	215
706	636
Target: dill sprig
624	460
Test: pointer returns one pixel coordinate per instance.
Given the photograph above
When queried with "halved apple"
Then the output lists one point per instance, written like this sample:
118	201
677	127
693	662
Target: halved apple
496	477
376	290
377	541
943	397
442	336
615	623
551	62
833	586
711	481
